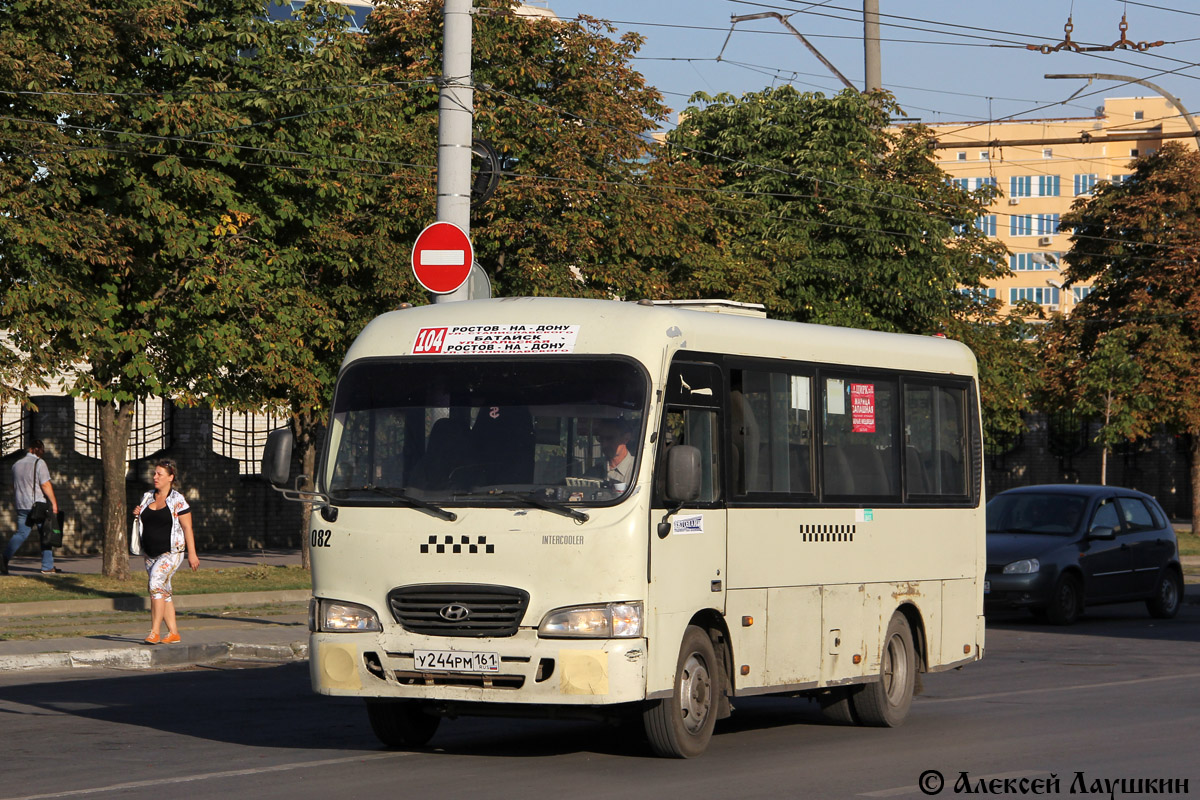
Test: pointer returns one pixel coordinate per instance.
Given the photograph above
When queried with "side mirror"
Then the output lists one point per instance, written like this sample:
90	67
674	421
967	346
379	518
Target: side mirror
683	474
1102	532
277	457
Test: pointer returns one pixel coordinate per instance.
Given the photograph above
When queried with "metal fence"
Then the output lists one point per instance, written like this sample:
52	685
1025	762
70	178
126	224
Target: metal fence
150	433
14	420
242	435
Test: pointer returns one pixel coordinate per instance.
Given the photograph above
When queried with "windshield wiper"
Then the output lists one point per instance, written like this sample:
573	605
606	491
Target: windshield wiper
541	502
420	505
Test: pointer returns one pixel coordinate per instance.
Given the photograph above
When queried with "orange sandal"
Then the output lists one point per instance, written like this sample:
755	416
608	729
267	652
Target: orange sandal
153	638
171	638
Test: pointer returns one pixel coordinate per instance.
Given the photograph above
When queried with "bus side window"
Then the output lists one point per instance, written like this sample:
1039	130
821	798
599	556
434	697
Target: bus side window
696	427
935	439
859	437
771	425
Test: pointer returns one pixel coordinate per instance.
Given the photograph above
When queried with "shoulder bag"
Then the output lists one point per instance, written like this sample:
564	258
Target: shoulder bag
37	514
135	537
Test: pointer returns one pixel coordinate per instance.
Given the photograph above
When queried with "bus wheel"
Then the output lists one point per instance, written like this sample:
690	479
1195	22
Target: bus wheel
681	726
837	704
401	724
885	703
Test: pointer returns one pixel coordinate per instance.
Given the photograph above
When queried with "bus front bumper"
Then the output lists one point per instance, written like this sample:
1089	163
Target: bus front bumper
530	670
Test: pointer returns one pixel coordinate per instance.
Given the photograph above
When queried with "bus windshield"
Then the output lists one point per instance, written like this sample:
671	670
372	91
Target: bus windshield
495	431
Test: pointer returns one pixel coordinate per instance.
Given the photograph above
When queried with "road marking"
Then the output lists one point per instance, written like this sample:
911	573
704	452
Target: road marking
914	789
207	776
1105	685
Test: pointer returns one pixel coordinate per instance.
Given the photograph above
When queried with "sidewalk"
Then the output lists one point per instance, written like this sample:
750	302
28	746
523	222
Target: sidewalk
216	628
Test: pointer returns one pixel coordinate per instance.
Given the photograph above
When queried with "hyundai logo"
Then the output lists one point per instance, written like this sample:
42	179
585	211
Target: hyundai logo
455	612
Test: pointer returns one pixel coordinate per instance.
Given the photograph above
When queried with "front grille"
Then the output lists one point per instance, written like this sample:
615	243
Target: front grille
437	609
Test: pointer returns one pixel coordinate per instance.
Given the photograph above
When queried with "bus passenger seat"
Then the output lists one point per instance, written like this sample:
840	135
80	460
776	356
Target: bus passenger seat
800	468
918	479
504	442
745	444
448	449
952	473
870	474
838	477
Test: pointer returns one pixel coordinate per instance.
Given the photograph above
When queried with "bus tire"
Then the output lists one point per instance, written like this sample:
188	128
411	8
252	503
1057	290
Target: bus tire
682	726
885	703
837	704
401	724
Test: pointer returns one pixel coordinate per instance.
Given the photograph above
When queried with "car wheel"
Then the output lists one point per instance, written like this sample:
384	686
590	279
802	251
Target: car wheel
1066	601
401	724
682	726
885	703
1168	595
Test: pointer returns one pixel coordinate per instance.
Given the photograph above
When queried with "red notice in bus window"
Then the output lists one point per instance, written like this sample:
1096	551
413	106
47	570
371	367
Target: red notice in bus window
862	407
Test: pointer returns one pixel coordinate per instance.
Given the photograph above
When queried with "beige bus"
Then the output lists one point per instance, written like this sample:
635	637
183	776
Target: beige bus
537	506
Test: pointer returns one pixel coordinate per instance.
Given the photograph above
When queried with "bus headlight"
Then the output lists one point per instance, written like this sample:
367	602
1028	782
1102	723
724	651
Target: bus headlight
607	621
335	616
1022	567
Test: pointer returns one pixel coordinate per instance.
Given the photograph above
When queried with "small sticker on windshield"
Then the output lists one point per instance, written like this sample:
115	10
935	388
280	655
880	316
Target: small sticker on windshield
495	339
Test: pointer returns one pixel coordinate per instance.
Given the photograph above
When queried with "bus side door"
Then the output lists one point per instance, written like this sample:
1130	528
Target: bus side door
687	556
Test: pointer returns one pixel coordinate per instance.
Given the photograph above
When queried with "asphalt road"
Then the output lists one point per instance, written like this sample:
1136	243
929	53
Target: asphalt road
1115	697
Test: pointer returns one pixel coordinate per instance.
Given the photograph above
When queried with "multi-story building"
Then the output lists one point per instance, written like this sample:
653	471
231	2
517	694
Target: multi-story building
1041	168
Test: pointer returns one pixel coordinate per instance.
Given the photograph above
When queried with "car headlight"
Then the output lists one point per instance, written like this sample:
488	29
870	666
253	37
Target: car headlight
606	621
1022	567
335	616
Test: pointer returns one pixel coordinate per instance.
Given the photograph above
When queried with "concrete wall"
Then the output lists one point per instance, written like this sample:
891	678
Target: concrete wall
230	510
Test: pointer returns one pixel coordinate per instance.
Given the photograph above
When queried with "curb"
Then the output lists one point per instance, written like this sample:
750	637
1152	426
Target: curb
134	603
159	656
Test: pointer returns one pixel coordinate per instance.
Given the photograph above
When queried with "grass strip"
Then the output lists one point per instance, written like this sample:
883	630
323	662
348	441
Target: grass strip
87	586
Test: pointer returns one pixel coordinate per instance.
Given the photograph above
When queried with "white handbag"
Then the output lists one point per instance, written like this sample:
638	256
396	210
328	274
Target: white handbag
135	537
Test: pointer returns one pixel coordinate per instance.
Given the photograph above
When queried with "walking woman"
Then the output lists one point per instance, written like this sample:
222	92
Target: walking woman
166	536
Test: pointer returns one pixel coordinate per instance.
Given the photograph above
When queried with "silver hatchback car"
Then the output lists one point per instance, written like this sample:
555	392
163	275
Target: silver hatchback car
1056	548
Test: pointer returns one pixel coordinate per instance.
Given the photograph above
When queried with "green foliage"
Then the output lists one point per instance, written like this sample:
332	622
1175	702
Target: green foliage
859	226
181	214
586	208
1137	242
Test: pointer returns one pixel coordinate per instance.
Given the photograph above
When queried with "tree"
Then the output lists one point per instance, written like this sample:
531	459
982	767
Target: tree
139	260
1138	243
1102	383
587	207
860	226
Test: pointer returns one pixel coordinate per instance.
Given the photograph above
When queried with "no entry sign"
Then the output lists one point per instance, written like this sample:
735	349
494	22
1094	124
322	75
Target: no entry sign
442	257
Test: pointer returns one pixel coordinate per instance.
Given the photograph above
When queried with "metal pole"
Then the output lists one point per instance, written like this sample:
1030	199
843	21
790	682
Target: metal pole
871	58
455	116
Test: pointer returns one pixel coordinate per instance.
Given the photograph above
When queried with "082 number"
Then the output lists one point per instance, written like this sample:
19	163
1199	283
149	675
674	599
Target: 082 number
319	538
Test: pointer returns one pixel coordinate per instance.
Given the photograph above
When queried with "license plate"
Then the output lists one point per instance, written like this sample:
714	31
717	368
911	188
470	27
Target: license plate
456	661
987	587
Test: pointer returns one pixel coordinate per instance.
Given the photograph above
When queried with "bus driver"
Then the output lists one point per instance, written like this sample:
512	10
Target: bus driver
617	467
